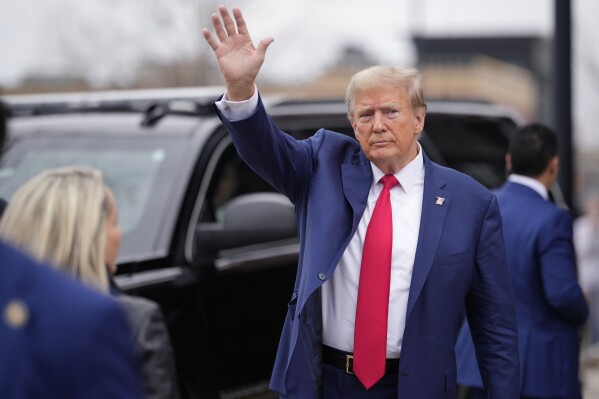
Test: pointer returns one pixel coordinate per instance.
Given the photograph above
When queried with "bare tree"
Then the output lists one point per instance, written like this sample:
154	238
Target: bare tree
108	41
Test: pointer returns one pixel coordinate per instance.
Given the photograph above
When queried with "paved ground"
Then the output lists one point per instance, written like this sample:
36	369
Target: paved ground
590	381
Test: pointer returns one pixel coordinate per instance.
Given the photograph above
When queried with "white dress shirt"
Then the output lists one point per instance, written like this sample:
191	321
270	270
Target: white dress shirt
340	292
531	183
238	110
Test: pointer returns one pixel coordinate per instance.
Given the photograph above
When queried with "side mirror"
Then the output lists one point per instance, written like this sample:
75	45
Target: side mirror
247	220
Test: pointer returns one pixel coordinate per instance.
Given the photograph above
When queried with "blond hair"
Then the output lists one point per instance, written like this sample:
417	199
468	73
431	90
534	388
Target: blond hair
386	76
59	217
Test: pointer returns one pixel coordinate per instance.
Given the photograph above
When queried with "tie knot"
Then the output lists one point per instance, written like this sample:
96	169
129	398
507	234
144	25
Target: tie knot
389	181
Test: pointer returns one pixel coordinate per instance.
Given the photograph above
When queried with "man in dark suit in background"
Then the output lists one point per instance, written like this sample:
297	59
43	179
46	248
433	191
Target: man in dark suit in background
550	305
58	339
393	247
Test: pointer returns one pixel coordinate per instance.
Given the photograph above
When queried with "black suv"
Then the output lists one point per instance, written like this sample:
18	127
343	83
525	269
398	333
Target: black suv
204	236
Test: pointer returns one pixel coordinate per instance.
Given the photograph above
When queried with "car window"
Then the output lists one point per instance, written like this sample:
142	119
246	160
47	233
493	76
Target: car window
232	177
130	174
133	169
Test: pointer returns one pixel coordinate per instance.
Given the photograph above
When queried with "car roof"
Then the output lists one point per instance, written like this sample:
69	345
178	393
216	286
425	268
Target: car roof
111	98
199	101
278	105
98	124
73	113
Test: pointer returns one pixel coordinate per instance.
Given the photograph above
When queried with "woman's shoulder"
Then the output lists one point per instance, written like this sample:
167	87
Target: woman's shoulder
137	304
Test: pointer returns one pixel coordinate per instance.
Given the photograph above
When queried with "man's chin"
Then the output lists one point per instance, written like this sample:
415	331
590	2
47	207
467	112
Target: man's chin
380	155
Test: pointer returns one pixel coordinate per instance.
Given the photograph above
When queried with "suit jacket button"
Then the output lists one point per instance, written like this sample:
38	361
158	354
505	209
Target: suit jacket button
322	276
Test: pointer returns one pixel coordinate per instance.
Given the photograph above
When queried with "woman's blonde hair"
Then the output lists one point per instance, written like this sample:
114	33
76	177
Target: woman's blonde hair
59	217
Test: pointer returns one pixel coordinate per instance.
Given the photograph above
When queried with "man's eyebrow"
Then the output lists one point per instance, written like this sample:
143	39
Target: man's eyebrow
368	107
391	104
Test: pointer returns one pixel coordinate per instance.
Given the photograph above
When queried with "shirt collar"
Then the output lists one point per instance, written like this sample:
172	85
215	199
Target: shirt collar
530	183
407	177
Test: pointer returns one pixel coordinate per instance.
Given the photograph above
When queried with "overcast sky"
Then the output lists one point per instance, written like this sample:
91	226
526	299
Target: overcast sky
108	40
45	35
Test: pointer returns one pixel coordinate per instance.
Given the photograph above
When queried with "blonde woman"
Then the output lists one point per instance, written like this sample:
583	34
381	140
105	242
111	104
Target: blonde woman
68	218
57	338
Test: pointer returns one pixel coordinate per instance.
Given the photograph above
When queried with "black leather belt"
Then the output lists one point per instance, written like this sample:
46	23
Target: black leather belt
345	361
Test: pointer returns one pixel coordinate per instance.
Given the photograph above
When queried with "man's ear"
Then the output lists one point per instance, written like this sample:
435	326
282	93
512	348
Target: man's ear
420	115
508	162
554	165
551	172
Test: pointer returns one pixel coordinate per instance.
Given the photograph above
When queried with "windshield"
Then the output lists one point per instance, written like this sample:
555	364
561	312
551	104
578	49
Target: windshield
134	169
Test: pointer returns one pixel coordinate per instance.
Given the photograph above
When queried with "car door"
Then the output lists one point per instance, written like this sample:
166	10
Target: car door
244	248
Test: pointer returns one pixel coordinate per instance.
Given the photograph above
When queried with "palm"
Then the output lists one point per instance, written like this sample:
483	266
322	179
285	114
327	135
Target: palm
238	59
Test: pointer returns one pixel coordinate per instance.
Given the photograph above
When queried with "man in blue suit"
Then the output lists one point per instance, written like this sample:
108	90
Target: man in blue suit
58	339
550	305
445	247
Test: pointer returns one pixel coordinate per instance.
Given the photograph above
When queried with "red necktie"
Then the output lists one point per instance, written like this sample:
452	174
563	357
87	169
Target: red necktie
370	335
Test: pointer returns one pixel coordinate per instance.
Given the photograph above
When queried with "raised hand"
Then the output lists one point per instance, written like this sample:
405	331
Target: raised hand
238	59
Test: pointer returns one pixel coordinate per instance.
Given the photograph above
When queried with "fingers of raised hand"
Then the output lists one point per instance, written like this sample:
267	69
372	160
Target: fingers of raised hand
263	45
226	26
211	40
241	26
218	27
227	21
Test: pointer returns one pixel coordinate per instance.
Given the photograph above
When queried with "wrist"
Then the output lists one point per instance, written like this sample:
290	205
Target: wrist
240	92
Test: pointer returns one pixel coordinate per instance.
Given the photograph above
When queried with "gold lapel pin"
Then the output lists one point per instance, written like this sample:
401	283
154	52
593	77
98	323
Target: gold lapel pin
16	314
440	201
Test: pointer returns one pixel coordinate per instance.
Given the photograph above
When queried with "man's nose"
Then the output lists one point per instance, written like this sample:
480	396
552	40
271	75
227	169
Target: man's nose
378	122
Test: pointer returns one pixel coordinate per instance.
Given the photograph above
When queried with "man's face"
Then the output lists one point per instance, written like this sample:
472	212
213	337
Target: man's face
387	127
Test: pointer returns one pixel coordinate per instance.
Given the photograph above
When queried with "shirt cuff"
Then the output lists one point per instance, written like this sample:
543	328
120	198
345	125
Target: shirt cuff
238	110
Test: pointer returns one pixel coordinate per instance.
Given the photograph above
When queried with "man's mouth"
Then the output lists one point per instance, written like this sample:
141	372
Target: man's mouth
380	143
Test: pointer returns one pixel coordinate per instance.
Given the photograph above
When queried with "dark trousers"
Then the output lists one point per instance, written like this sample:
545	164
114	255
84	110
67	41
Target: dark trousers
337	384
477	393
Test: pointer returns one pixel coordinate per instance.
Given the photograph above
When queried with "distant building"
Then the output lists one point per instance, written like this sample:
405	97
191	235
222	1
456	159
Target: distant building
511	70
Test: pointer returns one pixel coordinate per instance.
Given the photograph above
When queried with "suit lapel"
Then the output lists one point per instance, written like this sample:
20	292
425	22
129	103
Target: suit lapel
431	227
357	179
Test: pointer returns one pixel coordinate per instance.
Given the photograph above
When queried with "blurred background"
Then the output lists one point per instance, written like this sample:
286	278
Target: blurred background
505	52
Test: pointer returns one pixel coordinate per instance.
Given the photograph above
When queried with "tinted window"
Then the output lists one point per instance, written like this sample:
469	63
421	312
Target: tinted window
134	169
232	178
471	144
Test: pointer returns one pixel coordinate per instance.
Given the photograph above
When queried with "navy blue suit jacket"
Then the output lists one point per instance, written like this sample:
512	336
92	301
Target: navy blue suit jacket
460	259
550	306
72	344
